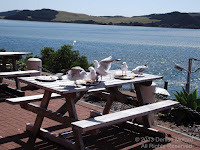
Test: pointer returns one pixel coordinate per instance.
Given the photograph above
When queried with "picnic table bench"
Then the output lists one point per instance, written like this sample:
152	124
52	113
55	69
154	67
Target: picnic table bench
82	126
28	99
34	98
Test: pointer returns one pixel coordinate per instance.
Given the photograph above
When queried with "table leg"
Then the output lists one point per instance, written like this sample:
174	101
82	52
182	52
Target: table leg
116	95
38	121
63	109
71	105
109	102
15	68
141	101
4	61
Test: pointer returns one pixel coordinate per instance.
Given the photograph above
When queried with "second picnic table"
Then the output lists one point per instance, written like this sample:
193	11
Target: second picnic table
14	56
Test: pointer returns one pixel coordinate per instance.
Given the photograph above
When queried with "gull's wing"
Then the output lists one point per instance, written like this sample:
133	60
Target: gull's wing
106	59
78	68
105	63
141	68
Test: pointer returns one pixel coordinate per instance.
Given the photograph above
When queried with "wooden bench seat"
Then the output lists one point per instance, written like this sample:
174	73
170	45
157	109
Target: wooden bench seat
83	126
27	99
18	73
32	98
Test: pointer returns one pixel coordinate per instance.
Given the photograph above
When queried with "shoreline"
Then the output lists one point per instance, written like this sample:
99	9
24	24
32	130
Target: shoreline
101	24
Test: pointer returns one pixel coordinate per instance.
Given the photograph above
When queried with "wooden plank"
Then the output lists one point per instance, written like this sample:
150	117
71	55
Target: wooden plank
78	139
121	97
27	99
110	98
141	102
71	106
66	134
48	113
38	121
122	116
14	53
53	137
63	109
17	83
141	129
18	73
66	86
96	90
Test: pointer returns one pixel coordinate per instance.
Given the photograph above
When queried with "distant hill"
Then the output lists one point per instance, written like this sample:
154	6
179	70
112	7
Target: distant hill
9	13
36	15
177	20
170	20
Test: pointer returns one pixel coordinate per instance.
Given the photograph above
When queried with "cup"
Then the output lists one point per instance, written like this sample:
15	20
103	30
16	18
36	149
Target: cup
59	75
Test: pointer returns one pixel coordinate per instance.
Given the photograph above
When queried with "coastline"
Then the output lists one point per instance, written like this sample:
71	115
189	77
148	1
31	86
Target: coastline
100	24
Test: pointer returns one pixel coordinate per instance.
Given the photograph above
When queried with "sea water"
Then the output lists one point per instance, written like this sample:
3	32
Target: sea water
159	48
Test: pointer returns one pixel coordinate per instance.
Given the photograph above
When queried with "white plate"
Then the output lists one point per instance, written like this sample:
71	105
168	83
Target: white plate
88	83
124	77
46	78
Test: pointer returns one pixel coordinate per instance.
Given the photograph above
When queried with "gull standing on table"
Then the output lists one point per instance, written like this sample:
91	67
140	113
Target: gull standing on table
139	69
76	73
124	68
93	75
103	67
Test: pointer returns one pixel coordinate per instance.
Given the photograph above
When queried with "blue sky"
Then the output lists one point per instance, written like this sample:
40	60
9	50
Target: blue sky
105	7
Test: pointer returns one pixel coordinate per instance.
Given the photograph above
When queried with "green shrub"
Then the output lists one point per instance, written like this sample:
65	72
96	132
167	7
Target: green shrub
47	56
2	50
190	100
63	58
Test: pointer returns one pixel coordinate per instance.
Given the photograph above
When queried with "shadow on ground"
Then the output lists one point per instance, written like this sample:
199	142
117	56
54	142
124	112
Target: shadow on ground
111	138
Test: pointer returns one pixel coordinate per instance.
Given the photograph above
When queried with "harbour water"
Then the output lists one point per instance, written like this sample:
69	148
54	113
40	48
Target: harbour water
160	48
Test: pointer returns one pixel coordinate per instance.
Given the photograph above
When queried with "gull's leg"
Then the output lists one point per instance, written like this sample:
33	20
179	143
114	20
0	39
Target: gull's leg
140	74
76	83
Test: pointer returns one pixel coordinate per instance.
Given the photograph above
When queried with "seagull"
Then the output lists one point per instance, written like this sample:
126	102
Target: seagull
124	68
76	73
103	67
74	42
93	74
139	69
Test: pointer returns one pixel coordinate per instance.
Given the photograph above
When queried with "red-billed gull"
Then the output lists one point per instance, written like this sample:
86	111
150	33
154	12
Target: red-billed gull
76	73
139	69
103	67
93	75
124	68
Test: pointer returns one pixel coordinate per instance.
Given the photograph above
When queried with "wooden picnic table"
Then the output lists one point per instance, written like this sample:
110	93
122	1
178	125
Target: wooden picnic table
69	91
14	56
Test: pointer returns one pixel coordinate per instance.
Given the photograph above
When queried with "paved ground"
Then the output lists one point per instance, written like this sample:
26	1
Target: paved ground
13	121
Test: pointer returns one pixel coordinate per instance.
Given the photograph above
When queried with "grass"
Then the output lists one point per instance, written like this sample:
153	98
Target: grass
67	16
